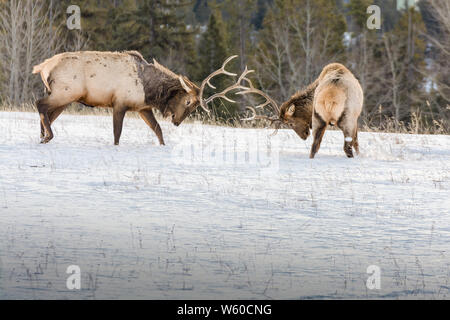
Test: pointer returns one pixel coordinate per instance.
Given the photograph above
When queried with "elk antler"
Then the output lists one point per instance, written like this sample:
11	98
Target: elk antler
244	90
269	101
204	102
273	120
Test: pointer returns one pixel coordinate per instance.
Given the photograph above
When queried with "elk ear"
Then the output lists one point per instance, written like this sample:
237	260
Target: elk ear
184	85
290	112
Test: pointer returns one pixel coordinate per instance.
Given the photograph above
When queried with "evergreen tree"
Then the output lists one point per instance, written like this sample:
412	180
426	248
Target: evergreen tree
410	62
260	13
213	44
202	11
389	13
239	18
213	52
160	32
99	22
357	9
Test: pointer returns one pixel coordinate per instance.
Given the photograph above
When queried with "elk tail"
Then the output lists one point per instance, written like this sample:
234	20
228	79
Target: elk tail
45	68
333	77
44	72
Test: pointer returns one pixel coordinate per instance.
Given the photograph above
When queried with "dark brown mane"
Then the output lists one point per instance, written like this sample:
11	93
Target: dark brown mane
303	102
159	86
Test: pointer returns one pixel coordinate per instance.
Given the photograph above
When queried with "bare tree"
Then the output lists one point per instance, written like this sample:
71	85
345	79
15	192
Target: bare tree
296	44
440	10
27	36
392	58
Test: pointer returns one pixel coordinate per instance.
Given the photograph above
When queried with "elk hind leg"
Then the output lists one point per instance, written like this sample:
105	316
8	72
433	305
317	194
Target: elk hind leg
319	127
55	113
50	108
350	130
150	120
52	116
355	142
42	130
43	106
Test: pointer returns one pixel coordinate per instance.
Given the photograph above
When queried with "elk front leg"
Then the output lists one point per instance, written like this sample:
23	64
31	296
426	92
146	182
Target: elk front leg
150	120
319	126
118	115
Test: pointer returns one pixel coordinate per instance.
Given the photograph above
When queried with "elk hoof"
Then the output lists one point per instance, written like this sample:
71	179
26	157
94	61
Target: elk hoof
349	154
47	139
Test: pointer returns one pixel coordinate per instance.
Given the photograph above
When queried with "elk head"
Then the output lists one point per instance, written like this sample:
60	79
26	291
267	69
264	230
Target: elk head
181	105
295	113
296	118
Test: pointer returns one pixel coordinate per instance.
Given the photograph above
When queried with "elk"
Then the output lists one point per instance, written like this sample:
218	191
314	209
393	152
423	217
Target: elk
335	98
123	81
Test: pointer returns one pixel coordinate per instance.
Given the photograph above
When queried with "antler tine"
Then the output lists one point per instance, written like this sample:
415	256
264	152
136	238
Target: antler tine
257	117
221	71
203	103
272	120
237	85
225	63
252	89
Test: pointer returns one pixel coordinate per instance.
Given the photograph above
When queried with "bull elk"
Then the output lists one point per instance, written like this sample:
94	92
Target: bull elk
334	98
123	81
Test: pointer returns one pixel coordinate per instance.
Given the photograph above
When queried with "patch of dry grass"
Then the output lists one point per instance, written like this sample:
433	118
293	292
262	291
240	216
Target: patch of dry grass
417	125
74	108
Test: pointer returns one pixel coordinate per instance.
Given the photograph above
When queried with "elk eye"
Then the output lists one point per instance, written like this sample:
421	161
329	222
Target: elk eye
188	102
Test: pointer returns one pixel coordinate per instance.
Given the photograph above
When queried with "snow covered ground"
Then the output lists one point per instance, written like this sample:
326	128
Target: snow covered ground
254	219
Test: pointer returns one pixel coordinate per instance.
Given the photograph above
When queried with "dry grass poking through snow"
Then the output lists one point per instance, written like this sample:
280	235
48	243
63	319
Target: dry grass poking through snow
416	126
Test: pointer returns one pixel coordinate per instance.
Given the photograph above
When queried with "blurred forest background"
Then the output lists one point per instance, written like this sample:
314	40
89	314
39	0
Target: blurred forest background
403	67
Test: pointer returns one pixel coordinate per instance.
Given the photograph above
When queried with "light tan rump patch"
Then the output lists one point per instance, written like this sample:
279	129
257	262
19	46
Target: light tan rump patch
330	103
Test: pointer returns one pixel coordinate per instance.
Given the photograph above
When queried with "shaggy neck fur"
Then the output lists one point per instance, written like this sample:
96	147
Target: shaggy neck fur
303	102
159	87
